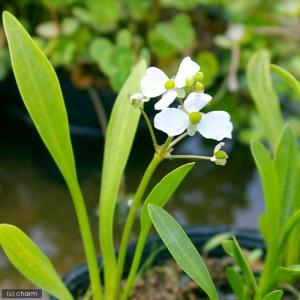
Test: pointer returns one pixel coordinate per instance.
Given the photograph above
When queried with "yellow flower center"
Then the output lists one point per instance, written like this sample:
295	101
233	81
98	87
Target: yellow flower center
195	117
170	84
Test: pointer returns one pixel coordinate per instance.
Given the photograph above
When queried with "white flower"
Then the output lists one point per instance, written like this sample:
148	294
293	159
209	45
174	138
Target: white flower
156	83
138	99
220	156
213	125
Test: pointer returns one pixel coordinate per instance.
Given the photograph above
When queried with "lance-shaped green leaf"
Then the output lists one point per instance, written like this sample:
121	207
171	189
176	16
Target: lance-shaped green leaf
232	248
286	161
25	255
288	78
216	241
119	138
272	191
266	101
41	93
282	274
274	295
237	283
288	228
42	96
159	195
163	191
182	249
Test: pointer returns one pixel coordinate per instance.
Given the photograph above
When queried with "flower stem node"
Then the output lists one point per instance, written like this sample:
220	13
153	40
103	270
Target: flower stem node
198	87
195	117
220	156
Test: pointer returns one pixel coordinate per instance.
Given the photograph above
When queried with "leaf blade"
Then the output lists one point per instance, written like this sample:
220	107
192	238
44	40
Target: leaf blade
162	192
286	159
266	101
288	78
31	262
232	248
121	131
274	295
182	249
35	75
271	189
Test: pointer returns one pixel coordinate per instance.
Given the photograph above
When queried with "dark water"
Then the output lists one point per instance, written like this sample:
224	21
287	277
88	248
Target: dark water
33	196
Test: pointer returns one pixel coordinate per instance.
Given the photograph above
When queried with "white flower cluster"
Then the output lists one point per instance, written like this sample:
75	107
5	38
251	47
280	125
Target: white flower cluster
187	116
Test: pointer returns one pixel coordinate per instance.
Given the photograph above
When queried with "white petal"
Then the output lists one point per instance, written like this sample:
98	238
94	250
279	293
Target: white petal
215	125
172	121
140	97
153	83
218	147
167	98
187	69
196	101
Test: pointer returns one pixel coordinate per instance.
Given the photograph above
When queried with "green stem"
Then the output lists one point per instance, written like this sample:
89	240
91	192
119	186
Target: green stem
178	139
130	221
153	137
87	239
135	264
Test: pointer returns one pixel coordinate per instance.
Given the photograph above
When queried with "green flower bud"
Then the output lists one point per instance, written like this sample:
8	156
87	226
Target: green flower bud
198	87
199	76
189	81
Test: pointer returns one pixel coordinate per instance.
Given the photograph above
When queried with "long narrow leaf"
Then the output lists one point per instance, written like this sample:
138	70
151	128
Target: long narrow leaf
286	161
289	226
31	262
42	96
233	249
289	78
120	134
163	191
41	93
182	249
274	295
264	96
237	283
272	191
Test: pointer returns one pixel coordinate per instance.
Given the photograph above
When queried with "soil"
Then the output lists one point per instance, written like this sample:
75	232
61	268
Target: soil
168	282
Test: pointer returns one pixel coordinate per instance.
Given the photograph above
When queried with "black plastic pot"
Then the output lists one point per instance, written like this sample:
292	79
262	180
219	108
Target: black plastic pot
77	281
